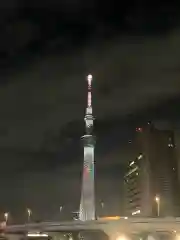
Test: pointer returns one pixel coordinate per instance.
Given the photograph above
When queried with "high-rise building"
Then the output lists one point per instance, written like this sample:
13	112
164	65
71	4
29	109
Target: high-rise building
87	204
177	141
151	179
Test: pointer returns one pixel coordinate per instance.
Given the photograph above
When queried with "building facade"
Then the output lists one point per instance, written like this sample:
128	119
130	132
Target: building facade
151	179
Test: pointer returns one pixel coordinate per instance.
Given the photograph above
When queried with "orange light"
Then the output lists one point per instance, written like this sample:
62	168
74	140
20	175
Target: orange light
110	218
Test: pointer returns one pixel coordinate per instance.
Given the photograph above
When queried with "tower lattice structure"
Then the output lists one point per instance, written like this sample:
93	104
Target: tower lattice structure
87	204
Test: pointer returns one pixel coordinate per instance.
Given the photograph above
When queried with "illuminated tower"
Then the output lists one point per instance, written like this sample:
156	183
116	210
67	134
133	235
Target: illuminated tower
87	204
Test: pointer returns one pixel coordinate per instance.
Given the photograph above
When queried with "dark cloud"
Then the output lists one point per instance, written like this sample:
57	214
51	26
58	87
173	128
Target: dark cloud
51	93
44	61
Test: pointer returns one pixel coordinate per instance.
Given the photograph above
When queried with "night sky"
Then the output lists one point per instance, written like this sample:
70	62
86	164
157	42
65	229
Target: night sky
133	51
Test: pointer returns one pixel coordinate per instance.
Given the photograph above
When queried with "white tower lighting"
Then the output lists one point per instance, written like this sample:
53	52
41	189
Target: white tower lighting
87	204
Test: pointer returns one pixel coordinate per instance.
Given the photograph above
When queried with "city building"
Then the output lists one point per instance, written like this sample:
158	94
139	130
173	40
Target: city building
177	141
151	180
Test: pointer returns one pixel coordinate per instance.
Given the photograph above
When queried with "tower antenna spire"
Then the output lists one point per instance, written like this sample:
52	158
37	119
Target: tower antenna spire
87	204
89	79
89	117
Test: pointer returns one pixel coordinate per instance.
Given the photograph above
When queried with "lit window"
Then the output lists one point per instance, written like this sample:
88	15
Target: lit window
170	145
136	212
132	171
131	163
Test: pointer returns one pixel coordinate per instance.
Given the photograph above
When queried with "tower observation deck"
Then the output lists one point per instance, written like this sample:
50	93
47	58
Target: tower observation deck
87	203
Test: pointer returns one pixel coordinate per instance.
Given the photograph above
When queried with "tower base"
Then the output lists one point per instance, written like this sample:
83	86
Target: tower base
87	204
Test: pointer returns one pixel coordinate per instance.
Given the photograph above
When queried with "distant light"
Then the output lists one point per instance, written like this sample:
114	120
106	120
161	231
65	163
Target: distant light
37	235
157	199
139	129
29	211
131	171
121	237
173	169
137	174
131	163
170	145
110	218
6	214
130	141
136	212
140	156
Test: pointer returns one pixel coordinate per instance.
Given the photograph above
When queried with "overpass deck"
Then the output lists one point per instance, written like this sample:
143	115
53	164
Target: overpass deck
111	226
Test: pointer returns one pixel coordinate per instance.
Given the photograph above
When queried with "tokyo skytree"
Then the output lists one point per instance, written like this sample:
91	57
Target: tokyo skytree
87	203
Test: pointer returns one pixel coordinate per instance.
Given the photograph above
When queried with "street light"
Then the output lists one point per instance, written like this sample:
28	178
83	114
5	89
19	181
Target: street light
6	215
60	209
102	204
29	212
102	207
157	199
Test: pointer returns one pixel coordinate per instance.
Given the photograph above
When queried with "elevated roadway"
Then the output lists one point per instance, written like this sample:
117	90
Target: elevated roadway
111	227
